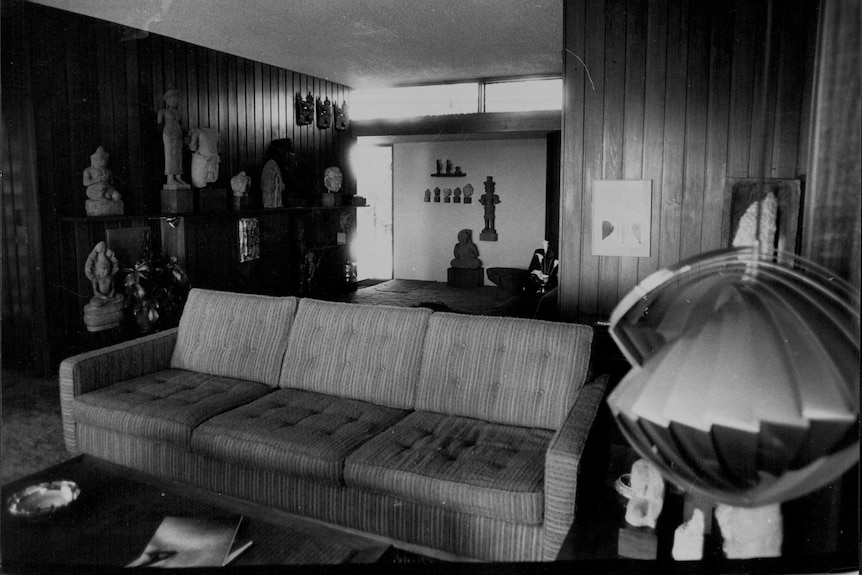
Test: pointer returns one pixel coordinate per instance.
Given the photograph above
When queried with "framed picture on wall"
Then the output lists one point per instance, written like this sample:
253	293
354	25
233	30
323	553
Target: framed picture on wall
622	211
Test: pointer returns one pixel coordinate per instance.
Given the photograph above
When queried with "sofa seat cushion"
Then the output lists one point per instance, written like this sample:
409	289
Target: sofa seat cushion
459	463
295	432
164	406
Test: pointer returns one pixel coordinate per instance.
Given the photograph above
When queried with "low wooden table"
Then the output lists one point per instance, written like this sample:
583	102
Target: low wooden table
119	509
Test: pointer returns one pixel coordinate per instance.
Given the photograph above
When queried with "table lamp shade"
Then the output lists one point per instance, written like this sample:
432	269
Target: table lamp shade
745	379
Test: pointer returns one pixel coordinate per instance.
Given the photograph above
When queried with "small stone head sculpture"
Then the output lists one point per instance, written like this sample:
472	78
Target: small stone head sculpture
332	179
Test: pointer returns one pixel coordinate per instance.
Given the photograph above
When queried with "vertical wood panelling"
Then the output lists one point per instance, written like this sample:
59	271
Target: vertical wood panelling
697	98
612	136
673	139
720	35
656	38
633	136
687	94
91	87
593	145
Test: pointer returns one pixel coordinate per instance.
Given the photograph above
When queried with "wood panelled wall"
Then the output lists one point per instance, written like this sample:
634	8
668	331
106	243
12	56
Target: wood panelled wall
684	94
96	83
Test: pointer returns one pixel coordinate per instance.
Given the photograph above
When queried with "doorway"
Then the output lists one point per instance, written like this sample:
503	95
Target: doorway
372	245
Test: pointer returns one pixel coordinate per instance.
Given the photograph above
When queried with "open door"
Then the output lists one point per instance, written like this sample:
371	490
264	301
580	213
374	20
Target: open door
372	245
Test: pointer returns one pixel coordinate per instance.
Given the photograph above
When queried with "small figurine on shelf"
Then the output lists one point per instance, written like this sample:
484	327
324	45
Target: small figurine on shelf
427	195
457	198
447	195
468	194
437	195
240	185
102	198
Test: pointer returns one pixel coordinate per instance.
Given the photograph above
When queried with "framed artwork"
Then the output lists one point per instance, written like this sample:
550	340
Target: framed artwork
622	212
249	239
767	210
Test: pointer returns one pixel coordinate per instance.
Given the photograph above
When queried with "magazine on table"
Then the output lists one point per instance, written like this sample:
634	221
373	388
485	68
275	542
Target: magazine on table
193	542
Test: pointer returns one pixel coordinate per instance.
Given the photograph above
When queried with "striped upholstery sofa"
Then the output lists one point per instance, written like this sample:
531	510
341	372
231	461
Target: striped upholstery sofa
455	432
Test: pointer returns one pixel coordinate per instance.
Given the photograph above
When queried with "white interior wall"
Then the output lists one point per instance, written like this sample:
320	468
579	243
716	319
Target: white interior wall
425	234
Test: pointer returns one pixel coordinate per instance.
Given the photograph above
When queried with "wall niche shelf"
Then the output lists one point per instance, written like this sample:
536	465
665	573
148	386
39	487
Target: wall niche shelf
450	175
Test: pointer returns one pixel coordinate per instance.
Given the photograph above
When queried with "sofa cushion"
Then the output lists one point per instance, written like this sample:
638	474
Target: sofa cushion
462	464
234	335
163	406
504	370
295	432
365	352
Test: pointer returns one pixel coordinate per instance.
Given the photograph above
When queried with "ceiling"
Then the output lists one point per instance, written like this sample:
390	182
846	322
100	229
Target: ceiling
359	43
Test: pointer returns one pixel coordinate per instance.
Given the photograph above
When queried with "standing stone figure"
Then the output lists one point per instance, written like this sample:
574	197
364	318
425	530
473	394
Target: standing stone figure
490	200
172	136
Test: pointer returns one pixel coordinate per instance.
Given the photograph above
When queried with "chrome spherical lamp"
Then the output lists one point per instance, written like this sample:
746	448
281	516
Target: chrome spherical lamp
744	385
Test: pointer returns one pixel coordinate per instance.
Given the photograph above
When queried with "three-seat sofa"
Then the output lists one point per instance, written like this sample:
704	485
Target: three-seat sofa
455	432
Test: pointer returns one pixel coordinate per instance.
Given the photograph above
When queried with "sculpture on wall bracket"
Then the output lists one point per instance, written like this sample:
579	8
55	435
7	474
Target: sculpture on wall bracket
105	309
490	200
324	113
102	198
304	109
342	116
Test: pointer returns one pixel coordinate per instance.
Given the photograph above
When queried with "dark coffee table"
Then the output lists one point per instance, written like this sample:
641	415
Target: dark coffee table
119	509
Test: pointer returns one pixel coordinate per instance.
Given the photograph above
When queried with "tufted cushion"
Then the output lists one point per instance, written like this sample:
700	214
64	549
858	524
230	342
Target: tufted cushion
234	335
163	406
295	432
505	370
365	352
458	463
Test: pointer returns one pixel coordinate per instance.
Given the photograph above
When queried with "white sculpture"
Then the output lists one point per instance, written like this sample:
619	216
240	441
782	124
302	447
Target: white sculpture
204	143
647	499
749	533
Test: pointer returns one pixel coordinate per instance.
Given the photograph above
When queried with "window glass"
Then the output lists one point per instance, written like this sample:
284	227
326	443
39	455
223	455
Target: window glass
524	95
414	101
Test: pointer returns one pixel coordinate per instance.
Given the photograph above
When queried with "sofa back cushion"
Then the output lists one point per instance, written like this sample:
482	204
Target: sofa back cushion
503	370
365	352
235	335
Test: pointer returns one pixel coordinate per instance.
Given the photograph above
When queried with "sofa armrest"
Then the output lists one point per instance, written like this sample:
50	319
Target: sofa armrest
100	368
562	465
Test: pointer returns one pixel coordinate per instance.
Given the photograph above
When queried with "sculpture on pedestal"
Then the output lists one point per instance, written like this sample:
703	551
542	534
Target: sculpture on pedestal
204	143
102	198
171	119
490	200
105	309
466	252
466	269
332	179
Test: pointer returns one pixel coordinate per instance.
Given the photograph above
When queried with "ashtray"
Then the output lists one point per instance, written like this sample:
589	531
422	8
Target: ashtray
43	499
623	485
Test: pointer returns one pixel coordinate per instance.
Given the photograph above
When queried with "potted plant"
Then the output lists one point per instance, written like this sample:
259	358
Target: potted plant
155	291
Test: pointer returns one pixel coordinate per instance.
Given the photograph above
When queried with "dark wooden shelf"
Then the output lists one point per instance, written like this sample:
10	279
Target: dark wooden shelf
452	175
243	213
